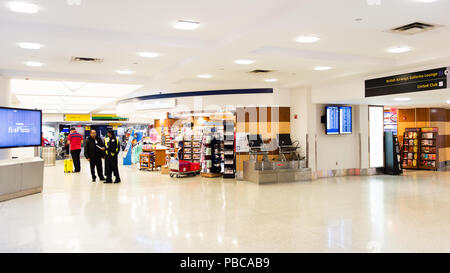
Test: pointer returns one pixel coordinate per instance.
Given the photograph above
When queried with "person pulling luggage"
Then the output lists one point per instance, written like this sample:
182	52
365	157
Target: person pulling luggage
75	140
111	160
94	152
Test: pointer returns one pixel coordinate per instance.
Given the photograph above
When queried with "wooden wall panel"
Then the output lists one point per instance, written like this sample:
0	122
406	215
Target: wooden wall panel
263	114
422	115
438	114
267	121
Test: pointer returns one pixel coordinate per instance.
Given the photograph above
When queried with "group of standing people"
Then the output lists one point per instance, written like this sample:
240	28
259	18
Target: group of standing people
94	151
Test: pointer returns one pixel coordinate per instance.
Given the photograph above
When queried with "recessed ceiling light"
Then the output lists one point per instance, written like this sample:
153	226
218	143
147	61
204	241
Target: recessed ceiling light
399	49
322	68
204	76
426	1
186	25
148	54
22	7
307	39
26	45
402	99
271	80
125	72
243	61
34	64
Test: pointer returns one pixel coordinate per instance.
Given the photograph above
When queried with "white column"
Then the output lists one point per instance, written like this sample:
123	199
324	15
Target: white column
5	100
364	133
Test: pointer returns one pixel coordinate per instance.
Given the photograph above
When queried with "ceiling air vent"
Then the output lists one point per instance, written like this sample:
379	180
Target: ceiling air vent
413	28
258	71
86	60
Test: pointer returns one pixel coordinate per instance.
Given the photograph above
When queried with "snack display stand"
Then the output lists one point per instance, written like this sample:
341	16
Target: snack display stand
147	161
228	151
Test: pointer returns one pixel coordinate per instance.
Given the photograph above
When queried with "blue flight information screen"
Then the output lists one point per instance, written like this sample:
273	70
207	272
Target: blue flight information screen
332	120
20	128
345	119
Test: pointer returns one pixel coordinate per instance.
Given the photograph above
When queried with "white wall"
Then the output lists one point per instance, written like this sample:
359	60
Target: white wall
5	100
337	151
299	107
26	152
328	152
52	117
335	92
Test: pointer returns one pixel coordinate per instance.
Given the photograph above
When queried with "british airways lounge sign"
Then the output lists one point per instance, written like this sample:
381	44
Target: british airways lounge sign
411	82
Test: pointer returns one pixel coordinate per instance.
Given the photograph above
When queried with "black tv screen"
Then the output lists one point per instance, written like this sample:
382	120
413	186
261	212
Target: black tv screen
332	120
20	127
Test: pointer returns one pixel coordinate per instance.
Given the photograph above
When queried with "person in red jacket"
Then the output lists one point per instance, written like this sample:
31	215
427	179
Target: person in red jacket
44	140
75	140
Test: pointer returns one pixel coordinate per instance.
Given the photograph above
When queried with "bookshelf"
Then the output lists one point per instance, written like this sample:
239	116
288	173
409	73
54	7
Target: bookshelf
411	146
429	156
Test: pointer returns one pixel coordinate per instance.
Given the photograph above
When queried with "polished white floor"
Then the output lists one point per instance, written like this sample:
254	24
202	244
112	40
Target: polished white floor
149	212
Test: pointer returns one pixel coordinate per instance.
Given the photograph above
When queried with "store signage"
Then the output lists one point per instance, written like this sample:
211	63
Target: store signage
411	82
108	118
77	117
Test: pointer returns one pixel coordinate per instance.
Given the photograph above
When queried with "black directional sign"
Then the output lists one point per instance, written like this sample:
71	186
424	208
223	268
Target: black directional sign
411	82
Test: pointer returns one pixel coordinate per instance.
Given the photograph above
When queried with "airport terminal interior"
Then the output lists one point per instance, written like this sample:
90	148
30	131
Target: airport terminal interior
254	126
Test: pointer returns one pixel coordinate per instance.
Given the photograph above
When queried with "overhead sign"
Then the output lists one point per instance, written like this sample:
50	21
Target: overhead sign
77	117
411	82
108	118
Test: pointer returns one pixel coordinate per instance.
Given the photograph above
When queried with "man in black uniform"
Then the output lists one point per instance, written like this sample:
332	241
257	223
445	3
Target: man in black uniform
111	161
94	152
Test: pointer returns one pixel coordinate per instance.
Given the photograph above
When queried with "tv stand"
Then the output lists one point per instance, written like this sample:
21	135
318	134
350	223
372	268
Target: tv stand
21	177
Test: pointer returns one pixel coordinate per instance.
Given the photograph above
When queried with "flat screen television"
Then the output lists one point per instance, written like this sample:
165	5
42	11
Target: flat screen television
20	127
345	120
332	120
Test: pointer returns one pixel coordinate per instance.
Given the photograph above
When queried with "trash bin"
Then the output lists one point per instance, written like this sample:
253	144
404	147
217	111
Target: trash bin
49	156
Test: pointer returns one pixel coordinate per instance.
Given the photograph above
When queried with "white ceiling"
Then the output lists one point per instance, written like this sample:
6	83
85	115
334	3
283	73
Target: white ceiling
261	30
67	97
434	98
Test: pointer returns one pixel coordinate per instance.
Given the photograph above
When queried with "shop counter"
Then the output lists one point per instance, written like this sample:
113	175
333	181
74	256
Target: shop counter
262	172
160	156
20	177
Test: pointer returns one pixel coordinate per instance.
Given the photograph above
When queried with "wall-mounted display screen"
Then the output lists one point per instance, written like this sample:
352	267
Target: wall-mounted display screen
345	120
20	127
332	117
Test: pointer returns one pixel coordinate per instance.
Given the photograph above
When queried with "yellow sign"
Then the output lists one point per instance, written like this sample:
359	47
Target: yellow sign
77	117
88	128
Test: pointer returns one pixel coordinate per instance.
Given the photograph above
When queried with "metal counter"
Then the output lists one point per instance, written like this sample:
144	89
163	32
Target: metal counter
262	172
49	155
